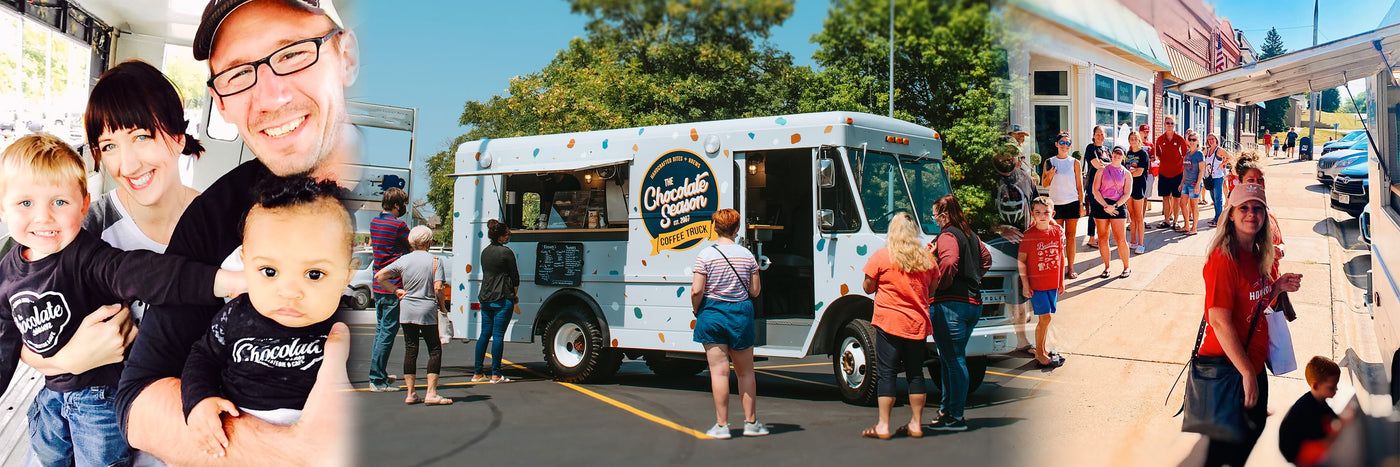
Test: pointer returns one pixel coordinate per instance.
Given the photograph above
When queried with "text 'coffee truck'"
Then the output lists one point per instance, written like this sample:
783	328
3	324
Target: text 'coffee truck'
606	225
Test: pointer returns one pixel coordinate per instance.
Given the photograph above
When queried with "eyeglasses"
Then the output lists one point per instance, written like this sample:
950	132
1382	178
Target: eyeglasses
295	57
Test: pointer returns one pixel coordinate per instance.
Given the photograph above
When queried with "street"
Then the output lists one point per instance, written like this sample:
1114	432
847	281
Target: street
1128	339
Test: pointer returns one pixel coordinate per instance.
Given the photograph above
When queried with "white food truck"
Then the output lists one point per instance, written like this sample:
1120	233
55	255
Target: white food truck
605	265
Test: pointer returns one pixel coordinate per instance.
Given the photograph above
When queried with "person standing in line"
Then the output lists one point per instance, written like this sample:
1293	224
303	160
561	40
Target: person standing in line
389	240
1068	195
1039	260
1192	167
1236	280
500	286
1170	149
1095	157
1138	162
1112	188
1291	146
1150	187
1217	159
957	305
721	296
420	299
900	276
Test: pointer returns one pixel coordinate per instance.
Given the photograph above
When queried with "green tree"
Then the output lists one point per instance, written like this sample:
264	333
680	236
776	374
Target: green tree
644	63
949	66
1355	105
1331	100
1274	117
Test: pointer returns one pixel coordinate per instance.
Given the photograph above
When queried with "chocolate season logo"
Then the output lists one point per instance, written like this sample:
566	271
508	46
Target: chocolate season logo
299	353
678	198
41	318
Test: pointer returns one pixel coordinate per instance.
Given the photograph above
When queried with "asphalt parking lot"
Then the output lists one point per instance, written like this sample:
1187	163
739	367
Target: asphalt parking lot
642	419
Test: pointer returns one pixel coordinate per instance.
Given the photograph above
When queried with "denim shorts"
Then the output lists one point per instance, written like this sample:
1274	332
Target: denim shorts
728	323
1188	191
77	428
1044	302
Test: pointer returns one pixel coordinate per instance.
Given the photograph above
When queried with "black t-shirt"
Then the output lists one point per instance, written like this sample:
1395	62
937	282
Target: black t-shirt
1092	151
1292	137
208	232
1139	159
253	361
46	300
500	276
1307	420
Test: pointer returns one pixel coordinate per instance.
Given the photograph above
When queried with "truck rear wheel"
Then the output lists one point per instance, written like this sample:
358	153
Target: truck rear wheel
574	350
976	372
671	367
854	362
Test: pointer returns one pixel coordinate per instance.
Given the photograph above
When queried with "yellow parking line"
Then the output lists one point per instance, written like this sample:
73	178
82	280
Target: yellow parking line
794	379
791	366
615	403
990	372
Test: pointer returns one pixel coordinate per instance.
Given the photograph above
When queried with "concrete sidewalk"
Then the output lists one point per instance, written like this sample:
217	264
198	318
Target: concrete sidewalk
1128	339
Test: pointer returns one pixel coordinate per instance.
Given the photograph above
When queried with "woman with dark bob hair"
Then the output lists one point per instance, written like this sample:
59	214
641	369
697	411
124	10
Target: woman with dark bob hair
136	131
721	293
957	305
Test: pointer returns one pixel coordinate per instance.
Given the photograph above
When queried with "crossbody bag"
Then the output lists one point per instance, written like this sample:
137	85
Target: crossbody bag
1214	401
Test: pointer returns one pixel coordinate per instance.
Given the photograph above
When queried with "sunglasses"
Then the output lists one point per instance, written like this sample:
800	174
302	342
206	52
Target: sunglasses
1191	139
1247	209
1171	123
1063	142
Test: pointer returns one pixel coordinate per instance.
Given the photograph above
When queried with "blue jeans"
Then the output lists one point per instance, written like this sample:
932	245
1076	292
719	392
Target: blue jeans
76	428
494	318
1217	194
386	308
952	327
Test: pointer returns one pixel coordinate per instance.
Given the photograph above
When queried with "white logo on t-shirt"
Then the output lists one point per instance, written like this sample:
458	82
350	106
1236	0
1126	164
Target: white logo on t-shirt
41	318
279	353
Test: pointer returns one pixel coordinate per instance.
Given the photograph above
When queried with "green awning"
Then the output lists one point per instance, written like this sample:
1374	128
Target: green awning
1106	23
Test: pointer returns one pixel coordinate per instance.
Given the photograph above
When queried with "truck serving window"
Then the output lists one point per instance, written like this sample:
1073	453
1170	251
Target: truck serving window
589	202
881	185
928	182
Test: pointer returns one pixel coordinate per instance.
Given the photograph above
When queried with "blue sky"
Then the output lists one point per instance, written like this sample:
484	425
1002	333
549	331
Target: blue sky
1294	19
469	51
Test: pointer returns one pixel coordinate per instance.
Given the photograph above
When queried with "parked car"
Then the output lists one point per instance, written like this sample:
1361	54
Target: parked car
1343	143
359	294
1352	189
1329	165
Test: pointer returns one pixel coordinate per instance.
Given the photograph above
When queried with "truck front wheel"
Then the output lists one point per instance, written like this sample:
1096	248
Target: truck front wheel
976	372
854	362
574	350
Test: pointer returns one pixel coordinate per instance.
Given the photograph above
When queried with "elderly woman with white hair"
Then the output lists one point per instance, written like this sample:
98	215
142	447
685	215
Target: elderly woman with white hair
419	302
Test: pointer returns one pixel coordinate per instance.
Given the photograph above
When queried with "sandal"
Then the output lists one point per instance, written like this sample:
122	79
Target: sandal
480	378
1104	275
1125	274
437	400
904	430
500	380
1166	225
1071	275
1191	232
870	433
413	399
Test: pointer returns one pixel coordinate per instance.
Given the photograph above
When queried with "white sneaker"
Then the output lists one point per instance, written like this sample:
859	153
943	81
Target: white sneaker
755	429
719	432
1140	250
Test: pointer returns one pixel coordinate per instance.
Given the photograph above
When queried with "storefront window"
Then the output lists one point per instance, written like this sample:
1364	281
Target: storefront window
1051	83
1125	92
1140	96
1103	87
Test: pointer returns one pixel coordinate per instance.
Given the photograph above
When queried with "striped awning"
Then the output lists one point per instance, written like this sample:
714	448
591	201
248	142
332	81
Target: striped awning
1183	67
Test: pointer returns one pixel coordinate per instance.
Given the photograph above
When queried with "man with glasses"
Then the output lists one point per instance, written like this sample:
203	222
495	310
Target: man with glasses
1170	149
279	70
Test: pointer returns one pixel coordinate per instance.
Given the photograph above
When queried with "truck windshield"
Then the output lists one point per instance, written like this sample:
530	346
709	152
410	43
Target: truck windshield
881	184
928	182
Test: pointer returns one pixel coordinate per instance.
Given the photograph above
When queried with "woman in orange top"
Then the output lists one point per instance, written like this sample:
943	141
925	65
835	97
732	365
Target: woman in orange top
900	275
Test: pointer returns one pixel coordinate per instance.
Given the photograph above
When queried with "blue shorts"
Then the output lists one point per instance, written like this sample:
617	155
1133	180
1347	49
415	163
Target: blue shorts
1044	302
728	323
1188	191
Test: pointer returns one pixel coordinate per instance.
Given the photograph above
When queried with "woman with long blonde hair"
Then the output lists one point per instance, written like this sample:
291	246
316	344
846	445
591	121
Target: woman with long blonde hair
900	276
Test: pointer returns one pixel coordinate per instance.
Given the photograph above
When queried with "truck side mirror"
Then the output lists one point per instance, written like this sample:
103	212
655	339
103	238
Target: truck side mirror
826	173
1365	222
826	219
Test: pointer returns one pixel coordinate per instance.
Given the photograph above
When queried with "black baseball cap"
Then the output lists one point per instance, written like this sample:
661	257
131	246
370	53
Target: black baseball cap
217	10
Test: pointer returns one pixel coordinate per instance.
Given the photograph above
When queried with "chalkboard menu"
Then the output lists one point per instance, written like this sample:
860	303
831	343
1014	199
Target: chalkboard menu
559	263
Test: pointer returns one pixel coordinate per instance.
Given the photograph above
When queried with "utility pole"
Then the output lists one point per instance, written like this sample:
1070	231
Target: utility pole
892	58
1314	98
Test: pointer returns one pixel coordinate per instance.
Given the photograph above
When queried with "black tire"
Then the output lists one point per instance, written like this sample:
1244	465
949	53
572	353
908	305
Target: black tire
585	358
363	299
976	372
669	367
853	362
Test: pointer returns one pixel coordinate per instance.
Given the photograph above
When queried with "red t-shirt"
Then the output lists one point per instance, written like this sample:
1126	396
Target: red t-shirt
1268	139
901	298
1045	256
1237	286
1171	150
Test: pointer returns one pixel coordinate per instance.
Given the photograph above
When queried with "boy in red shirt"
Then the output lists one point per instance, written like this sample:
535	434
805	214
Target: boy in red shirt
1040	259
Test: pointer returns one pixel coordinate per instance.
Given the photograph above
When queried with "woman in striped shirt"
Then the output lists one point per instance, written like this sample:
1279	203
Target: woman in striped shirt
726	279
